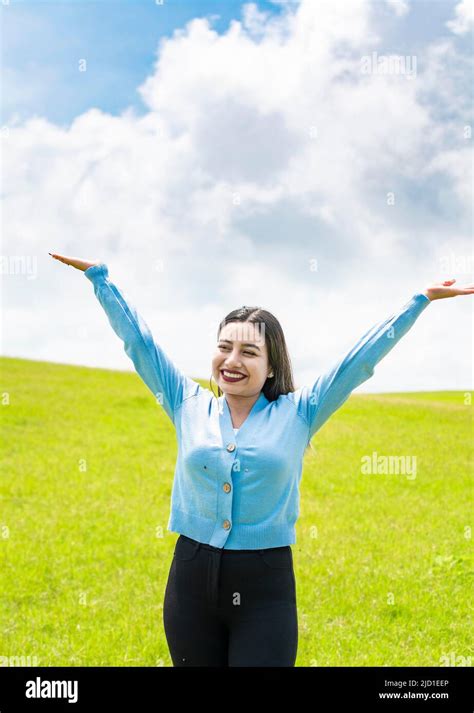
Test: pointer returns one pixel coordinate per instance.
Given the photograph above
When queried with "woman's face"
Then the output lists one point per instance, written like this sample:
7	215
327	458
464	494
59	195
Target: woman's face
241	348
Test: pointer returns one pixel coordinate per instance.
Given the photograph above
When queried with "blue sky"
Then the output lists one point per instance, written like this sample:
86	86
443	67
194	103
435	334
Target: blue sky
212	152
42	42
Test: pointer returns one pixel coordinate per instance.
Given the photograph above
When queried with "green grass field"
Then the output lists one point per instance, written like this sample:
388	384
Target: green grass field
381	559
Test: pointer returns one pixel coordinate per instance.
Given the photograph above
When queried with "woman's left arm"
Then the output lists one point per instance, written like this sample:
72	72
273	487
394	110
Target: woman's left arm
316	402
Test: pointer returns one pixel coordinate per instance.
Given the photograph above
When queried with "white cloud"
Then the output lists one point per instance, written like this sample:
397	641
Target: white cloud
464	18
400	7
254	21
263	149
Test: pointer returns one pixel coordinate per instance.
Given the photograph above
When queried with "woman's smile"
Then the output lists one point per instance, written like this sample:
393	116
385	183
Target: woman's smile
232	376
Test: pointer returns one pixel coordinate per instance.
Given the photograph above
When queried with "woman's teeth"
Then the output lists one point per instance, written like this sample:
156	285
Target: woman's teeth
232	376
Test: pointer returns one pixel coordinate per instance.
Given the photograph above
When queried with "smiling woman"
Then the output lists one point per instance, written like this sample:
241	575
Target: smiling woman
251	356
235	496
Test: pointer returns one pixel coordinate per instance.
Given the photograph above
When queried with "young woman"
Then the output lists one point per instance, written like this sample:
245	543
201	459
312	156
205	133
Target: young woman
230	597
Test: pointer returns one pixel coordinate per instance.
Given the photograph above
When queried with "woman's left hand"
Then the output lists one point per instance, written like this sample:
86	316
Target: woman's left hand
439	290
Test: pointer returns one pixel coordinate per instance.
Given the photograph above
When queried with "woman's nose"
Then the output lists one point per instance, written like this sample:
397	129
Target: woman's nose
234	361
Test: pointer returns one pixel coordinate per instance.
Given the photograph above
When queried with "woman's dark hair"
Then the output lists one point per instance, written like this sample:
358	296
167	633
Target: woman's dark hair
278	357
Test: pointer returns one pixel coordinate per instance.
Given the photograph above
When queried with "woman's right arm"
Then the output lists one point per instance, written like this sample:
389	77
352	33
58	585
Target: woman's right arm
169	385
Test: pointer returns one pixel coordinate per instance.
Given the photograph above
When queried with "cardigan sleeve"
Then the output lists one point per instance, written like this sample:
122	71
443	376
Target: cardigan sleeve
318	400
169	385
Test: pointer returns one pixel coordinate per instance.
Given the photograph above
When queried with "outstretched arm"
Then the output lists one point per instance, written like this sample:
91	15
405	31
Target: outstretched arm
332	388
317	401
169	385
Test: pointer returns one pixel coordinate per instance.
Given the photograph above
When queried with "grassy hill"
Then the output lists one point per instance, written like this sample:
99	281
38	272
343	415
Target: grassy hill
88	456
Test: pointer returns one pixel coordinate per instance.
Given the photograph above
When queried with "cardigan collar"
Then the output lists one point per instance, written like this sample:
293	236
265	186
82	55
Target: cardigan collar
225	419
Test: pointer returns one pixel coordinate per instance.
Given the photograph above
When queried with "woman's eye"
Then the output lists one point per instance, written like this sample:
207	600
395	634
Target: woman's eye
225	349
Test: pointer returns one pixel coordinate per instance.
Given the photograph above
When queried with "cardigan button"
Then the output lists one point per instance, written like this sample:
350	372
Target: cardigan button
226	524
226	487
231	447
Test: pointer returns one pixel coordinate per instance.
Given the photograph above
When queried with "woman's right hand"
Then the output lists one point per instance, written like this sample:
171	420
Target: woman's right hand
75	261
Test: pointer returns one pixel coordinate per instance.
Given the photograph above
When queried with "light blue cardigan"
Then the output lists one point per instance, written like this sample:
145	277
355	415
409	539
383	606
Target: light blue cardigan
241	490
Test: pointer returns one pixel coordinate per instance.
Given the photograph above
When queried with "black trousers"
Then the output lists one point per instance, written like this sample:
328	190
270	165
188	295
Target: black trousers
230	607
